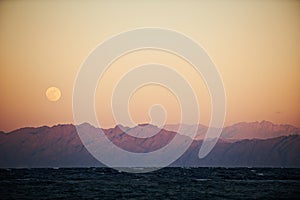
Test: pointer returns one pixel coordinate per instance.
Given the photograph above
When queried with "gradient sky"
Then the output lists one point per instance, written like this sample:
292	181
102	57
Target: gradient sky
255	45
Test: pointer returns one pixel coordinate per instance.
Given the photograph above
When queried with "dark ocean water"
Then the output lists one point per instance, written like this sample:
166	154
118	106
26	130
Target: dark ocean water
167	183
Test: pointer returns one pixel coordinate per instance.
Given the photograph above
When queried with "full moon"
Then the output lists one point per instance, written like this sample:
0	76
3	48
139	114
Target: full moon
53	94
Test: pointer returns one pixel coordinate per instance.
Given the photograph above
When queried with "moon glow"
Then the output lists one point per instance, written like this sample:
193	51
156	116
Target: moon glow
53	94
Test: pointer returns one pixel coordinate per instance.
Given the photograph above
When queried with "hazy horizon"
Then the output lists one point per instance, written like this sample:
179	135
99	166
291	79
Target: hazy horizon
141	124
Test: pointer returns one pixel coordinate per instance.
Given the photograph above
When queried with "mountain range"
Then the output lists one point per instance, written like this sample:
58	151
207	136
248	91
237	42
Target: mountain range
242	130
256	144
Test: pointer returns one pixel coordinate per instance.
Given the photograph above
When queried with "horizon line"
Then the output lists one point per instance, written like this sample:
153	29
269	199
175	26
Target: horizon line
143	124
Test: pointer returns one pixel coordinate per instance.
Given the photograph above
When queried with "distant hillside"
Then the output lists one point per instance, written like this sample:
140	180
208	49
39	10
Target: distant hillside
243	130
282	151
60	146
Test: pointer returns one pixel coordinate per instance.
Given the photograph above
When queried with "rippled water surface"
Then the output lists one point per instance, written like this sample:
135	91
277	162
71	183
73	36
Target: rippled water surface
167	183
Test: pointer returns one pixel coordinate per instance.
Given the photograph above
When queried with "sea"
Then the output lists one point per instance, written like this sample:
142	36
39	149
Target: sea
166	183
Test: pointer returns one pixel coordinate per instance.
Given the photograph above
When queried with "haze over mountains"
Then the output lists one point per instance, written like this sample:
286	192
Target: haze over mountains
243	130
254	144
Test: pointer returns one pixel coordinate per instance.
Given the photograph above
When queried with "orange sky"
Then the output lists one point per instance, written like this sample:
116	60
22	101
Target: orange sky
255	46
